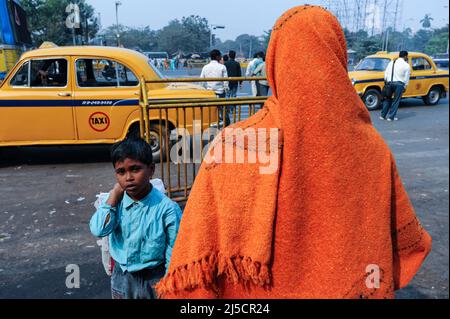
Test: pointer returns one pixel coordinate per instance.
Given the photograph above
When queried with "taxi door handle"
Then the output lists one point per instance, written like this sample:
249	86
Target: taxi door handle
64	94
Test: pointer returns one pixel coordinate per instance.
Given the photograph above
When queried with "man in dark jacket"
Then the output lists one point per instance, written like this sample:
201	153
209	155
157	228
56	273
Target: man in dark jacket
234	70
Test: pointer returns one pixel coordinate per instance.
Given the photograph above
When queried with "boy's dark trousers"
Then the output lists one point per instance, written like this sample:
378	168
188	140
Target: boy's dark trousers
137	285
390	106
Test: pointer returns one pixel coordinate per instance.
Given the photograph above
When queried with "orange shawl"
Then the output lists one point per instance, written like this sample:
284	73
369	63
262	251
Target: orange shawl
334	206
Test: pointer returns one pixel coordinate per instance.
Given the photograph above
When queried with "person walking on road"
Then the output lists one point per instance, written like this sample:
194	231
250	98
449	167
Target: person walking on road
257	60
234	70
262	85
396	80
215	69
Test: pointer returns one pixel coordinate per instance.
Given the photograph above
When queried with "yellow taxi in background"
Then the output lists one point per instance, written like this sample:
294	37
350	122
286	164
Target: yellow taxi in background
86	95
427	81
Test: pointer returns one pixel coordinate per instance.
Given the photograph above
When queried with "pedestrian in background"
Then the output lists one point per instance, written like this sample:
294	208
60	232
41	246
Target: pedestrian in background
224	59
396	80
262	85
253	64
234	70
215	69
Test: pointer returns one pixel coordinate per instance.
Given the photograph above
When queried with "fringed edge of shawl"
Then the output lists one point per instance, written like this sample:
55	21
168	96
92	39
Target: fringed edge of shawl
203	273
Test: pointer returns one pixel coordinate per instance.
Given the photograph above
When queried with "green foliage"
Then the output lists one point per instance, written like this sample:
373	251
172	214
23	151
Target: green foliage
47	21
245	45
438	42
143	39
191	34
424	40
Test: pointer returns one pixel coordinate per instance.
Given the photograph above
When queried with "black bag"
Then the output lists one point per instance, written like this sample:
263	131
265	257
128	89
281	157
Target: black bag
388	89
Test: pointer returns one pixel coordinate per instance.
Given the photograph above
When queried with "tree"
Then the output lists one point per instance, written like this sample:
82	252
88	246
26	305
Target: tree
191	34
438	42
426	21
198	30
140	39
47	21
420	39
267	35
248	45
172	38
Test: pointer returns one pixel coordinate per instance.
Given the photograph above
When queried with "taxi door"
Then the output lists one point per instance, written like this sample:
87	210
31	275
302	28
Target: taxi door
106	95
36	103
420	80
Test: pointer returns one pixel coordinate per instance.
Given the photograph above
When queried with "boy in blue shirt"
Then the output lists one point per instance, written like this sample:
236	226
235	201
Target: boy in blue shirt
143	223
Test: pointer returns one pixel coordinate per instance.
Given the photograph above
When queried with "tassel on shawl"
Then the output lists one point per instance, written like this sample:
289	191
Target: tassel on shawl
201	274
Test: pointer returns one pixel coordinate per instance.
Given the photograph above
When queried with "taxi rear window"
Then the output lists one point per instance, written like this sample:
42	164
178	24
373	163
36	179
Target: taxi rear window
104	73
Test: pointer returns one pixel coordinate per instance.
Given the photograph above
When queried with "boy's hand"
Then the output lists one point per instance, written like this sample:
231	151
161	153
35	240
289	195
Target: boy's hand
115	196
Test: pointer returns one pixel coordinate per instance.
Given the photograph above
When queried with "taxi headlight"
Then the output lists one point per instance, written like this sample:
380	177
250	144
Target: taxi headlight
353	81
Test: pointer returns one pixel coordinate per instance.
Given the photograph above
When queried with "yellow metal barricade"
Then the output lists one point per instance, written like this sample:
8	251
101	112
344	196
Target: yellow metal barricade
170	117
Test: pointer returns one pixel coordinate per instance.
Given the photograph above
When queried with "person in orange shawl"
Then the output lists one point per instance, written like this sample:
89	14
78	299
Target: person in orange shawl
333	221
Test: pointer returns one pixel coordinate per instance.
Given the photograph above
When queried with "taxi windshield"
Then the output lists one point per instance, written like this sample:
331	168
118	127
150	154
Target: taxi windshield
373	64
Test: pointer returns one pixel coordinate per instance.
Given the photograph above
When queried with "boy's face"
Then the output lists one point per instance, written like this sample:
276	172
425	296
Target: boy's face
134	177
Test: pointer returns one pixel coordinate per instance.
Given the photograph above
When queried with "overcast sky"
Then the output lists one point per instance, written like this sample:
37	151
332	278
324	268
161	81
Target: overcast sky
238	16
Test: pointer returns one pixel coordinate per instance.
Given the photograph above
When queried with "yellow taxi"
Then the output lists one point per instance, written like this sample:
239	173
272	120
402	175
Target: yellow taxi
86	95
427	81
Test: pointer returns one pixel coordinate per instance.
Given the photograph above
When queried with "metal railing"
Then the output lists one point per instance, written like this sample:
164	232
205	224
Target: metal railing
184	123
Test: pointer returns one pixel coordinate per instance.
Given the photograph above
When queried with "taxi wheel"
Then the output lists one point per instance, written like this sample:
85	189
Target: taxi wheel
372	99
433	97
155	143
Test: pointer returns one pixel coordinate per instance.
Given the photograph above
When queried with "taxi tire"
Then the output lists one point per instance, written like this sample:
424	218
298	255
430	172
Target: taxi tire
155	132
373	94
430	98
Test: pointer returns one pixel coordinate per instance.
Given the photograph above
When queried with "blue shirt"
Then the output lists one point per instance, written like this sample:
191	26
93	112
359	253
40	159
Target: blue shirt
142	233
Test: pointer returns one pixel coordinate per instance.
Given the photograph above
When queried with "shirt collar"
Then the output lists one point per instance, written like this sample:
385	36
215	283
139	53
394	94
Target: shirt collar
128	202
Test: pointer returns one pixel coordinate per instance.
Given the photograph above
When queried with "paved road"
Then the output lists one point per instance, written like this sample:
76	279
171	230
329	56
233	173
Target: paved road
47	197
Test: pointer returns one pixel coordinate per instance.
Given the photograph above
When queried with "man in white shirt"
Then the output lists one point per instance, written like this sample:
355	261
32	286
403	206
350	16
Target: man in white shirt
253	64
215	69
396	79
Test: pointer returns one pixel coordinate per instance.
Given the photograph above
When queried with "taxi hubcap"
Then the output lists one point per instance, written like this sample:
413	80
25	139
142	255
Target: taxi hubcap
154	142
371	101
434	96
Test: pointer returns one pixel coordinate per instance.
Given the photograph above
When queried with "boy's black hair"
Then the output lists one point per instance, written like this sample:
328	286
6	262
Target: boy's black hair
132	148
232	54
226	58
215	54
403	54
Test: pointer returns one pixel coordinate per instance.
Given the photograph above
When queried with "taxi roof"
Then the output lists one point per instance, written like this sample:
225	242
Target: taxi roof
393	55
130	56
